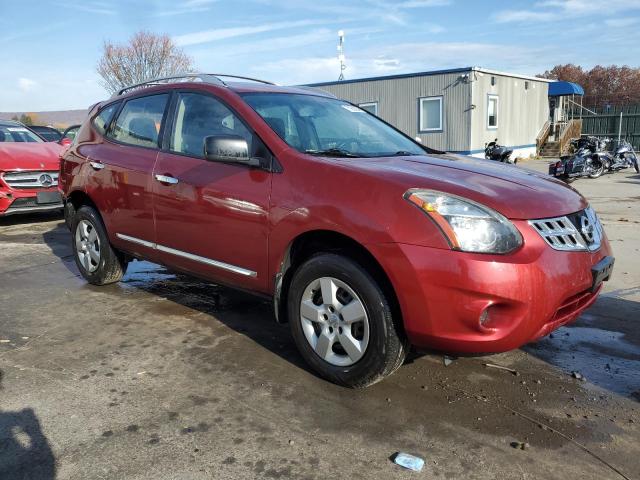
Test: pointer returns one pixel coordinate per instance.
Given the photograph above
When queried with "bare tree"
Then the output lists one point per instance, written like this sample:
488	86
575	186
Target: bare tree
144	57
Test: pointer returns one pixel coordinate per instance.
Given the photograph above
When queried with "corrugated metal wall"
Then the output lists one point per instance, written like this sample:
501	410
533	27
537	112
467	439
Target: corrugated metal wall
521	113
398	101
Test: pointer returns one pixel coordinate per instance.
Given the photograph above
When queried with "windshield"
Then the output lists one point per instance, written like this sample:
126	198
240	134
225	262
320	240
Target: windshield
326	126
17	134
49	135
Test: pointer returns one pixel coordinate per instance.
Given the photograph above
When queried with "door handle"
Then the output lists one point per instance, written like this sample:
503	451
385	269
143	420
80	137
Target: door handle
166	179
96	165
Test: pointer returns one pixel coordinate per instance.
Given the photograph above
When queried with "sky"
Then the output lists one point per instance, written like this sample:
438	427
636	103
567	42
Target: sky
49	48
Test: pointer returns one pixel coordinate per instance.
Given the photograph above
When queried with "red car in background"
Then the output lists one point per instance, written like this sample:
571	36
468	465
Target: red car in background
28	171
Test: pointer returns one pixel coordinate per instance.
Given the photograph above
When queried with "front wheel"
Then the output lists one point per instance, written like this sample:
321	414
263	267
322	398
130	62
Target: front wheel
598	170
342	322
99	263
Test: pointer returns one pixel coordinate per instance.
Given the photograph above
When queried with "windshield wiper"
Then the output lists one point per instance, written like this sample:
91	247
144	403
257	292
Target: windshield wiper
333	152
404	153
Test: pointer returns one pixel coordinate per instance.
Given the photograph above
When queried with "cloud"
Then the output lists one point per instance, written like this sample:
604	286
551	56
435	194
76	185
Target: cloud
507	16
208	36
189	6
295	71
98	8
48	89
424	3
386	64
407	58
621	22
276	43
558	10
26	84
588	7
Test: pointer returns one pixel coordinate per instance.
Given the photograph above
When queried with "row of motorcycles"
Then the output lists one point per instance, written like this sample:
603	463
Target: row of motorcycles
593	157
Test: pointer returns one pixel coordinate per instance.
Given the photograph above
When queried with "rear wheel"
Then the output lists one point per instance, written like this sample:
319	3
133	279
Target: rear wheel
342	322
99	263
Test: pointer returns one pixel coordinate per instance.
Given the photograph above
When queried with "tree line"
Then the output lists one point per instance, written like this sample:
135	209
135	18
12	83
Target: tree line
603	85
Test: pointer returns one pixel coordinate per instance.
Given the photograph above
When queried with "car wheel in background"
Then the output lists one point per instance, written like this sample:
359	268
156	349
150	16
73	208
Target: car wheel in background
342	322
98	262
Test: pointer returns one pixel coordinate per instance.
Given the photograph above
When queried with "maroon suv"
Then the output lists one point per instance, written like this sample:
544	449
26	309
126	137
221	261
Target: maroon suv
367	241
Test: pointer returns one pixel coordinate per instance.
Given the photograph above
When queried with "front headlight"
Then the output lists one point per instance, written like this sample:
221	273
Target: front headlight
467	225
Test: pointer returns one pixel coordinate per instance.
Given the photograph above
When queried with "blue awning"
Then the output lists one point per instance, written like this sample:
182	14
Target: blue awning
557	89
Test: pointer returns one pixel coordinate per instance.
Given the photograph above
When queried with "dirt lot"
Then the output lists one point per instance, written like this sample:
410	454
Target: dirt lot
166	377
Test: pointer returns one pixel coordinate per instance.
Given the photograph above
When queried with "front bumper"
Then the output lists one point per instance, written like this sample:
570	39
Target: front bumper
526	295
13	202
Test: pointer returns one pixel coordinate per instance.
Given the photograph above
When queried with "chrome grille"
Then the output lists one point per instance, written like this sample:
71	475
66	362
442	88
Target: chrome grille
40	179
576	232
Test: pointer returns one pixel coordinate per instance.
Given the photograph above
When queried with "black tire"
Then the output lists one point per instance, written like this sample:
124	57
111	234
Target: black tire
69	213
112	264
635	164
599	171
387	346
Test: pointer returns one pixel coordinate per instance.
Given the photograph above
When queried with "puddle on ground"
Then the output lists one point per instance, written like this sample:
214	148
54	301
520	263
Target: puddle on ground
604	357
141	273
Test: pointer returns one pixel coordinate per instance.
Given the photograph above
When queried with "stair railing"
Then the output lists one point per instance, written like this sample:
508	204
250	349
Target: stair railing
542	137
573	129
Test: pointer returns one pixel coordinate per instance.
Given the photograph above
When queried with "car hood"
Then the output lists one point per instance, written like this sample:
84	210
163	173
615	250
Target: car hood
29	156
515	192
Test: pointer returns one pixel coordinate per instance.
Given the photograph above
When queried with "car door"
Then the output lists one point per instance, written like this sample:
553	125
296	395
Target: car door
211	217
121	172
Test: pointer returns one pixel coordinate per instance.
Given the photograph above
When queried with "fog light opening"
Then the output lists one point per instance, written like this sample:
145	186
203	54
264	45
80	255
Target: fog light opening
484	318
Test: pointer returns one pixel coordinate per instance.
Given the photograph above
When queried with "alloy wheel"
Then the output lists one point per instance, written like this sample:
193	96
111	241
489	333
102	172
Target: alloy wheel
87	246
334	321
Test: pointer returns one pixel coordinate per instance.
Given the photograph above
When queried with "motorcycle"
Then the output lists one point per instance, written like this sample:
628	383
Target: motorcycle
493	151
623	157
587	161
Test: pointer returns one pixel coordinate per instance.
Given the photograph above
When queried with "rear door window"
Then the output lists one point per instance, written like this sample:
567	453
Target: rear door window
140	120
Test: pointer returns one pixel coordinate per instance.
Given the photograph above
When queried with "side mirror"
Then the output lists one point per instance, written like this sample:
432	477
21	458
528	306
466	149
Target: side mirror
65	142
230	149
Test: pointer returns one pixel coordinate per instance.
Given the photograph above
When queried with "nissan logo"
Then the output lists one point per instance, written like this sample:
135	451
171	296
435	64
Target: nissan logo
45	180
587	228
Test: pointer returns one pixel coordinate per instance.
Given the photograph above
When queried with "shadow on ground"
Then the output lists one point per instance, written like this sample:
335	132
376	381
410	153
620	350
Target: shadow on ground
24	450
29	218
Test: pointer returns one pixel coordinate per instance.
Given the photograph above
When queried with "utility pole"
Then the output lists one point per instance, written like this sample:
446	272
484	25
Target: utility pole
341	57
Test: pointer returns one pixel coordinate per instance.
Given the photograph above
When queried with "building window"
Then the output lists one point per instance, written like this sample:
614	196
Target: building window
493	81
492	111
371	107
431	114
526	85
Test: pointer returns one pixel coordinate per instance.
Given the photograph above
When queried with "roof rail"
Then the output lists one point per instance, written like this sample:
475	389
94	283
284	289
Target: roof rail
213	78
